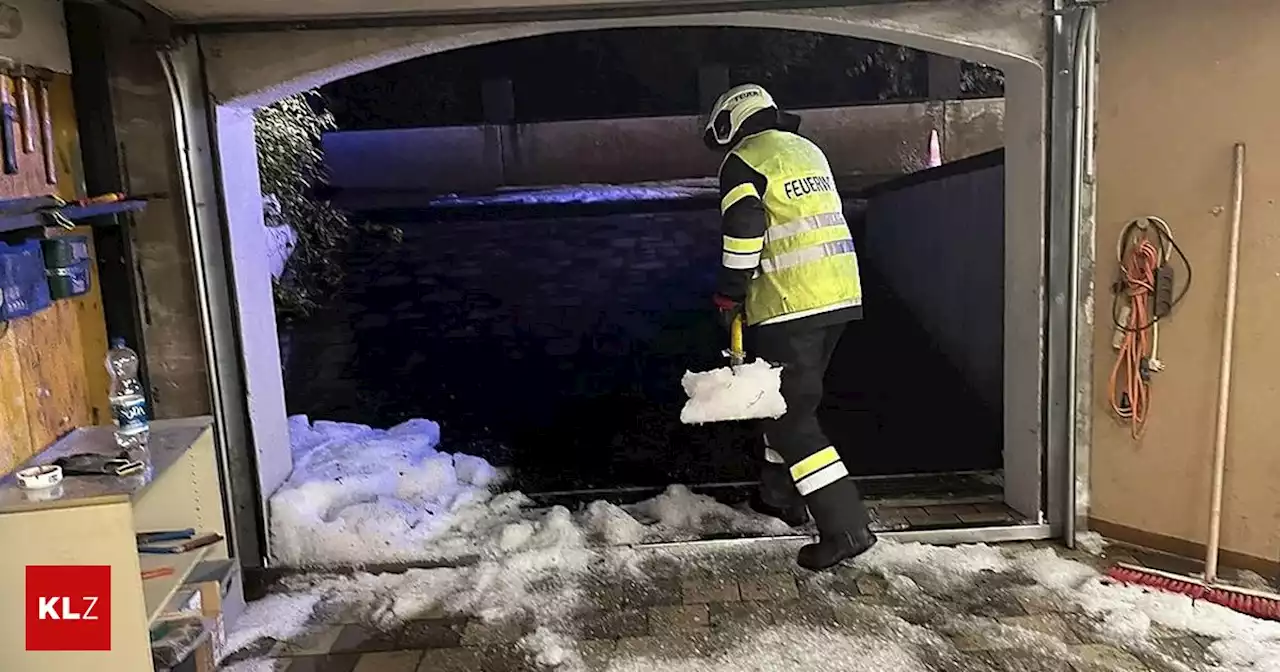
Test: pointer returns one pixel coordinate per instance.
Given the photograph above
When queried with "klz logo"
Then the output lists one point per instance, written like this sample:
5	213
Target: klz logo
68	608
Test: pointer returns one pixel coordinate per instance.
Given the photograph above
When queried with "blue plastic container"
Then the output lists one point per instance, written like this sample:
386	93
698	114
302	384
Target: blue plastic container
24	290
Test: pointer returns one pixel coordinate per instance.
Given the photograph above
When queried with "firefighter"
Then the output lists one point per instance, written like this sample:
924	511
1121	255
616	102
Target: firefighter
788	266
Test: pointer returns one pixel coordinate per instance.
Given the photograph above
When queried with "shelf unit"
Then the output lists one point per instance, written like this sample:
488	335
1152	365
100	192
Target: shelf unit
11	220
93	520
157	592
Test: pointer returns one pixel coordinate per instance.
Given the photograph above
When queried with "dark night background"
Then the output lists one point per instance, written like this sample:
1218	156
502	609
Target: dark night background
638	72
555	343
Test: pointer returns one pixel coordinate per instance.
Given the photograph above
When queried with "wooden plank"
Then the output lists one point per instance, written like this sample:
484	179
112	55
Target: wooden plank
15	434
75	366
53	364
51	374
91	326
66	138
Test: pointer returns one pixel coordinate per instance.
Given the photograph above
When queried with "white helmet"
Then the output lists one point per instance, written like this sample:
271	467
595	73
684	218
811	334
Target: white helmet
732	108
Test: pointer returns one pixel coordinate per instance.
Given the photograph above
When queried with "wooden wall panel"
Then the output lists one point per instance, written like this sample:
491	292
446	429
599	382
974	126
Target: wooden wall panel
53	373
15	434
92	327
52	378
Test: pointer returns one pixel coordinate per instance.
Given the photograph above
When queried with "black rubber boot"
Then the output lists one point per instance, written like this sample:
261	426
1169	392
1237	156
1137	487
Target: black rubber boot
777	496
844	526
832	550
794	515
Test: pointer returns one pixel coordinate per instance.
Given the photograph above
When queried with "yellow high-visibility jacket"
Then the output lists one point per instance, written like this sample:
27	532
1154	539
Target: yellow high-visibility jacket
787	249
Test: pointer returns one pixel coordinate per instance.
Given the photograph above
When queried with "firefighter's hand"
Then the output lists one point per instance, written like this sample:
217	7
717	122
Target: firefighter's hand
728	309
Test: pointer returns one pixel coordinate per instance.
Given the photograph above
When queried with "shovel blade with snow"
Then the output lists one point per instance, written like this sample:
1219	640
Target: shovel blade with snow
739	391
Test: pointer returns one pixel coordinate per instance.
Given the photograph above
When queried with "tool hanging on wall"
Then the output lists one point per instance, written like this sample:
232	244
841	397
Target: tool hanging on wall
46	131
27	110
9	114
1143	295
1251	602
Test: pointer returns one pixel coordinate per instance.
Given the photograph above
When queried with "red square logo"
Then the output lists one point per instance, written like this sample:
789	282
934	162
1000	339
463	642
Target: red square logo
68	608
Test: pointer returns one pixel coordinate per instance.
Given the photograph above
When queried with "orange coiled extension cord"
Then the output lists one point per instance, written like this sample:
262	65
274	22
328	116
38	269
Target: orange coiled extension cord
1140	259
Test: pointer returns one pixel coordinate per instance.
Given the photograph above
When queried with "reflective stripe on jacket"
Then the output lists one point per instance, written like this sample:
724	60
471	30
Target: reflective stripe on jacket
804	263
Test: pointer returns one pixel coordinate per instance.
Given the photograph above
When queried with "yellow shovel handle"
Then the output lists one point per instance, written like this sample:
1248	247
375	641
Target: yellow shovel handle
735	338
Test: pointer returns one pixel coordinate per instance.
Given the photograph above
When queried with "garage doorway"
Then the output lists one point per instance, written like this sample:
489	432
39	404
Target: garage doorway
1024	459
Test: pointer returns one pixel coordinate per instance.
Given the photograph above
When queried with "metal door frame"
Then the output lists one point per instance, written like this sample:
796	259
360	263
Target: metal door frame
1070	249
202	197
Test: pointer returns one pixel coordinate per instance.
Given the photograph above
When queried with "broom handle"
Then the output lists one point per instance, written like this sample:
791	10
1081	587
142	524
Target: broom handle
1224	373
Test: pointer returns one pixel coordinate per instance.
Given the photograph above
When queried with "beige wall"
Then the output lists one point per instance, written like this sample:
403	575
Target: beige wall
1181	81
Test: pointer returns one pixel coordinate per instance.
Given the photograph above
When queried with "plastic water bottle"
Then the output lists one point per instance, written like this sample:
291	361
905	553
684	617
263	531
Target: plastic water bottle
128	404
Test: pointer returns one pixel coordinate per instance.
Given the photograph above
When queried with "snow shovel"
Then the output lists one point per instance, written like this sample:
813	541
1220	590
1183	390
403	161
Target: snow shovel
739	391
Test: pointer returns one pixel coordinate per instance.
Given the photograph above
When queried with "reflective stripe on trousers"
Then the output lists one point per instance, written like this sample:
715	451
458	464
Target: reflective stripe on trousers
818	470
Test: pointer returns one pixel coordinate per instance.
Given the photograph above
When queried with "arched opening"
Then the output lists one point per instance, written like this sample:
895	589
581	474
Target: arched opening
1019	456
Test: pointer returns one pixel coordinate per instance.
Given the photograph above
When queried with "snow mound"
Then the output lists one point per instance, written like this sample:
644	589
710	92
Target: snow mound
360	495
278	616
750	391
1091	543
679	514
612	525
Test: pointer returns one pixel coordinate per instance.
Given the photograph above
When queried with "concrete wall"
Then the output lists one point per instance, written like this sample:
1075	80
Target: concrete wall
866	140
1180	82
939	243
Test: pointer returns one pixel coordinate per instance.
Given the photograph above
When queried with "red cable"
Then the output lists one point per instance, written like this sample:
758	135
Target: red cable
1128	382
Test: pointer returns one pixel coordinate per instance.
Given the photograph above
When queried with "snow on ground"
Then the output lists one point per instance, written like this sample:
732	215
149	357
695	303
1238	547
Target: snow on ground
584	193
1125	614
933	597
361	496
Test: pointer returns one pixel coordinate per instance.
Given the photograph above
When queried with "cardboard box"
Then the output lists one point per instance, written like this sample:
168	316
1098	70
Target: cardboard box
210	593
204	658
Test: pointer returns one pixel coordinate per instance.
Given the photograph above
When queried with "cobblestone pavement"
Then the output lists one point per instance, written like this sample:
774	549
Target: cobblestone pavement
741	608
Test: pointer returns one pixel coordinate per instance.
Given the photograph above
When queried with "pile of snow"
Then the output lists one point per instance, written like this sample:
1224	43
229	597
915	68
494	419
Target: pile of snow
749	391
281	238
281	616
360	496
679	514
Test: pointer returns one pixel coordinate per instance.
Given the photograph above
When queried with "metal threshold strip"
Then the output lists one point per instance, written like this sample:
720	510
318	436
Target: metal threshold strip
499	15
939	536
891	490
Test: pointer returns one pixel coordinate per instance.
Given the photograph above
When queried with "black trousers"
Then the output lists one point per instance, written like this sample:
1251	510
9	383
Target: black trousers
799	459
